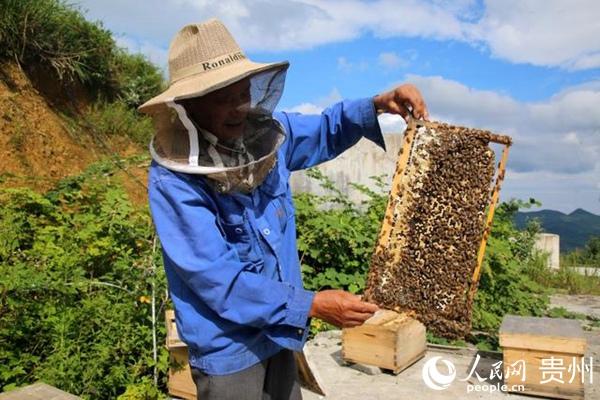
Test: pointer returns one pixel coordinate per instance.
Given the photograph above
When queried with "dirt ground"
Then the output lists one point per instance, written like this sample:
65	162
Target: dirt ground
342	381
589	306
39	146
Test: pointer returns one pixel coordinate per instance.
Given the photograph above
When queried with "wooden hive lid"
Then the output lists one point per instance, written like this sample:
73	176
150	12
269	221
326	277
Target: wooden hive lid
38	391
544	334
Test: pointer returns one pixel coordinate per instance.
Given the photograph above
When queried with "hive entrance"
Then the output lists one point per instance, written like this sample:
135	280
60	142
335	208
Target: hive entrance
439	213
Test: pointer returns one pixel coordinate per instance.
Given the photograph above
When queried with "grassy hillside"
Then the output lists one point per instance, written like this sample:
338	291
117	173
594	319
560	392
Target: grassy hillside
68	96
53	37
575	229
78	260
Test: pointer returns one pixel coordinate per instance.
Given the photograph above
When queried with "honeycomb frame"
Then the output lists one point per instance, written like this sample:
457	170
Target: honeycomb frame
437	277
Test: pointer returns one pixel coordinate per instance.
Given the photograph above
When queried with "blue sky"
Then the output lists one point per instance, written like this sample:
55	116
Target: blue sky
357	68
529	68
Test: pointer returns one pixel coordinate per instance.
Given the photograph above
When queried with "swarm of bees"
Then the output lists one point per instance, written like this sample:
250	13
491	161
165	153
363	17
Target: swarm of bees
436	220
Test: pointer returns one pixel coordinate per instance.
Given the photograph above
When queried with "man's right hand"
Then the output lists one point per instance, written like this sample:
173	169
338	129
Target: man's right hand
341	309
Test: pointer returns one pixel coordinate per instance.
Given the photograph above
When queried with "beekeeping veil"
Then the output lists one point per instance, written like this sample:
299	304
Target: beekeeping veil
205	61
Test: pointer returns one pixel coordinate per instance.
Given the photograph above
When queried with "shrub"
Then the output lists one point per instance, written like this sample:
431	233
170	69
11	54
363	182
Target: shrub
75	274
505	286
336	239
56	35
588	256
51	33
138	80
116	119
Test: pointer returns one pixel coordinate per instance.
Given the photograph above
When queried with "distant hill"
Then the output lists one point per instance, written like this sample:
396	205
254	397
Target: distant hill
574	229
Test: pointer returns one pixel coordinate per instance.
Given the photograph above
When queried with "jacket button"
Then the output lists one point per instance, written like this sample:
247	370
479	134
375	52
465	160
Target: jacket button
239	230
300	332
267	231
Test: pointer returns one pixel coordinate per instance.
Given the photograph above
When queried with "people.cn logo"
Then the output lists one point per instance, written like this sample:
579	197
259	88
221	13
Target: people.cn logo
433	378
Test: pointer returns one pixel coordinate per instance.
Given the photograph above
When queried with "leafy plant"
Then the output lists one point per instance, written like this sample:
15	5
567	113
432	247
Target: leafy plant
56	35
52	33
116	119
138	80
506	285
588	256
76	265
561	312
336	239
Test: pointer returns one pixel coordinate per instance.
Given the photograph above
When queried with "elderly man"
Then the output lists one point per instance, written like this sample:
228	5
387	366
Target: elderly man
222	207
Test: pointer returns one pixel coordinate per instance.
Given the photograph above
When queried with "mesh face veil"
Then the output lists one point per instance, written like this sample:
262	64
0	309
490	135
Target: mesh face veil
228	135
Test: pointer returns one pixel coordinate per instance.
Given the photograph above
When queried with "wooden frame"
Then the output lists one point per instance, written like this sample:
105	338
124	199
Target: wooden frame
396	190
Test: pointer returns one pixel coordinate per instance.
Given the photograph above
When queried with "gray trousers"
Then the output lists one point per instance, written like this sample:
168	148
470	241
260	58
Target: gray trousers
273	379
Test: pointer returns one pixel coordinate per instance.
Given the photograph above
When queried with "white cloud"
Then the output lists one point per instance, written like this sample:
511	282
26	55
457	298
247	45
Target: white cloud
556	191
556	152
555	156
586	61
319	105
391	60
157	55
540	32
560	136
306	108
333	97
571	138
343	64
156	22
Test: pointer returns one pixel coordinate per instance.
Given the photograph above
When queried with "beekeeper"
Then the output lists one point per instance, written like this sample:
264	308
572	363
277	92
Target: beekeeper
221	202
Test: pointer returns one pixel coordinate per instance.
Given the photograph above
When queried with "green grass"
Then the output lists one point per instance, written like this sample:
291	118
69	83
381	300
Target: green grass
433	339
564	280
117	119
55	34
561	312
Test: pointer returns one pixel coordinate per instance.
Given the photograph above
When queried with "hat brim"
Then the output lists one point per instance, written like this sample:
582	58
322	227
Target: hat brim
209	81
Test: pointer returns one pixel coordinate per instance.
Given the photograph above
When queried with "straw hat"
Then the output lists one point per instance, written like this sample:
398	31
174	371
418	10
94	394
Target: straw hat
204	57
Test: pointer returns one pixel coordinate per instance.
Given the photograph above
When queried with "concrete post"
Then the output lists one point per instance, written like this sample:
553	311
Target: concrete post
549	243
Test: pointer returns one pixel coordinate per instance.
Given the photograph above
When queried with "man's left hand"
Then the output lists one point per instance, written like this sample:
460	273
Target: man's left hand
404	100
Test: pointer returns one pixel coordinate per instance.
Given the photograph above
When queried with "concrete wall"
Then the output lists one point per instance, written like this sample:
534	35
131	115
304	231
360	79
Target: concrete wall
549	243
587	271
356	165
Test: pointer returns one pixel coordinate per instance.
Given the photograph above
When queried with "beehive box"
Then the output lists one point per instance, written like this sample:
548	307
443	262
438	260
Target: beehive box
387	340
180	382
38	391
433	237
550	353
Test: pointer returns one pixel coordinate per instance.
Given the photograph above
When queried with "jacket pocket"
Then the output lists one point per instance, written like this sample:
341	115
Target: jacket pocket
239	237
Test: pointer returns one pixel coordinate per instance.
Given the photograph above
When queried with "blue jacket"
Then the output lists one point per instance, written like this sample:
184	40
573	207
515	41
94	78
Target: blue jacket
231	259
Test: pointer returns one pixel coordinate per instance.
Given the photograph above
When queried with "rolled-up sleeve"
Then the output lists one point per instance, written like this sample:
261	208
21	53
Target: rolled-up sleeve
313	139
197	250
